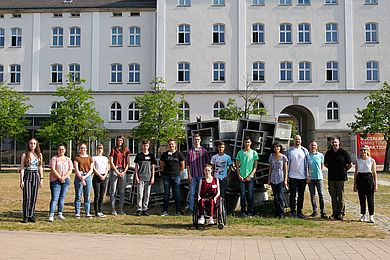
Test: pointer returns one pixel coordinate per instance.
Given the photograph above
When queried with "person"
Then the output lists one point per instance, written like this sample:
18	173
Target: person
208	192
277	177
145	163
61	168
338	162
30	178
118	182
101	167
365	183
197	158
316	180
221	164
83	167
246	164
298	176
171	164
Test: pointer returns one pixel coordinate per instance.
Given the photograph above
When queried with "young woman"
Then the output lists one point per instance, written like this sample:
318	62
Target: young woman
83	167
277	177
99	181
60	170
31	178
365	182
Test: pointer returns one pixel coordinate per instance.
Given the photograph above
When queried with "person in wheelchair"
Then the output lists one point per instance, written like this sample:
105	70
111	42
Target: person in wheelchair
208	193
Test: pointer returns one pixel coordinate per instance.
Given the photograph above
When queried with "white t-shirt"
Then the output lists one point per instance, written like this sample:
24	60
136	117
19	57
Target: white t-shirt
100	163
297	164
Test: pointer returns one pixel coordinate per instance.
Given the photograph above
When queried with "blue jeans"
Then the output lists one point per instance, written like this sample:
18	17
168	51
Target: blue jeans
193	188
80	190
319	184
246	192
58	193
173	181
277	190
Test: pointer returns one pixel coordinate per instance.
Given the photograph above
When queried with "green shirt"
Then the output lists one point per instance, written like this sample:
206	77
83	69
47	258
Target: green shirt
247	159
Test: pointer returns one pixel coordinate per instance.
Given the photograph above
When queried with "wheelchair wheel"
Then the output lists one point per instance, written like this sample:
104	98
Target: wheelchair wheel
222	210
195	215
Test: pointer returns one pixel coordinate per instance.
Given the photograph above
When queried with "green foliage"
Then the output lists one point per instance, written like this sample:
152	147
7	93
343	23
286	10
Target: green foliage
233	112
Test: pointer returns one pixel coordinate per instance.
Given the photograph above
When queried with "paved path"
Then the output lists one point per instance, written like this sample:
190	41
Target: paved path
34	245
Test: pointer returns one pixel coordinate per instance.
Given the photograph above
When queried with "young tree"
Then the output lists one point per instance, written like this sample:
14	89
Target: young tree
375	118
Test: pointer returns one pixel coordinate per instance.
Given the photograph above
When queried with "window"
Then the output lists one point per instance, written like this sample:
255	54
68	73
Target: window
257	104
2	37
1	73
258	33
74	36
218	34
184	3
135	36
116	36
331	33
304	71
133	112
56	73
74	72
116	112
133	145
58	37
332	71
304	33
135	14
134	73
183	34
15	73
285	2
218	2
53	106
218	72
286	71
331	2
117	14
76	15
183	72
116	73
257	2
16	37
258	71
57	15
372	68
217	107
285	33
184	111
371	33
332	111
16	15
370	2
304	2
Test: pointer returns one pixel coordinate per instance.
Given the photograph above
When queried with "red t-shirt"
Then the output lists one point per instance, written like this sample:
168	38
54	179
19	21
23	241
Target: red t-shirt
209	190
119	157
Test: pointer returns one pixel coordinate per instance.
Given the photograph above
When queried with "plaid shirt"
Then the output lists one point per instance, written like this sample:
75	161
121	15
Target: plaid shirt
196	160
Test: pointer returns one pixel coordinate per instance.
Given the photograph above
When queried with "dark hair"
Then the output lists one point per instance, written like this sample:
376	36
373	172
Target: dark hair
123	146
171	140
275	145
145	141
220	143
196	135
246	138
61	144
314	140
335	138
28	151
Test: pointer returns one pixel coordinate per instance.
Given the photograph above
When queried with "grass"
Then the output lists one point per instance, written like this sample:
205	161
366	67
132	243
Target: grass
384	176
10	216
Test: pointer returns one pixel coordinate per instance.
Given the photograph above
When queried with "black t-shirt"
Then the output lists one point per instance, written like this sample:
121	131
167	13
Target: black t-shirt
145	162
172	162
337	164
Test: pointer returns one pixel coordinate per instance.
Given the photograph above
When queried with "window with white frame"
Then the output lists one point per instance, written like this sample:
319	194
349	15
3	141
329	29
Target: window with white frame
286	71
371	2
218	34
331	33
134	73
184	3
58	37
257	33
285	33
258	71
116	36
135	36
218	72
258	2
217	107
304	73
2	37
257	104
285	2
304	2
371	32
183	72
54	106
116	112
372	70
304	33
133	145
56	73
75	36
74	72
116	73
332	111
133	114
332	71
1	73
331	2
184	111
16	37
183	34
15	73
218	2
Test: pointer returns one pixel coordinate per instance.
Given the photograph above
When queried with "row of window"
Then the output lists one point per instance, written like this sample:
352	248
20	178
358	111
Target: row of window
73	15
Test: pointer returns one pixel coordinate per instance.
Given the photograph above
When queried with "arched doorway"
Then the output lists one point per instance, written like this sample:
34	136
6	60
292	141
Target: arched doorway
303	119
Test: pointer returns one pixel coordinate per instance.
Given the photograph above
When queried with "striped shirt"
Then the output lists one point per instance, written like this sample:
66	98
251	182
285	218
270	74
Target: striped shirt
197	158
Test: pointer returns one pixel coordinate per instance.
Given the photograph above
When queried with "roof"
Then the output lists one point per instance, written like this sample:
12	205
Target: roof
75	4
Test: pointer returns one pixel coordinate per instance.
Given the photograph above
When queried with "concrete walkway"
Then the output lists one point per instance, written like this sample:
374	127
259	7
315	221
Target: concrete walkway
34	245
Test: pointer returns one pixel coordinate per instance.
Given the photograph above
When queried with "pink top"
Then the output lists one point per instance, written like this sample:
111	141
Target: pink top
60	165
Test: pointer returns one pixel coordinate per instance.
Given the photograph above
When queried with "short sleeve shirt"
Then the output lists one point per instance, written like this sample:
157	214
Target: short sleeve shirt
247	160
84	163
61	166
337	162
221	165
172	163
100	163
145	162
316	160
277	173
119	157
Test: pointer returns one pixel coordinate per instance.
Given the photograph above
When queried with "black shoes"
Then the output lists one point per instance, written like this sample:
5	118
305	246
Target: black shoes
32	219
25	220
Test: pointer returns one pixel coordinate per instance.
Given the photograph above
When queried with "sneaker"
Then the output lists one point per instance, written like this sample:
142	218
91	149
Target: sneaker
32	219
293	215
77	216
323	215
88	215
61	217
363	218
122	213
164	214
371	219
25	220
139	213
314	214
211	221
145	213
51	218
243	215
179	213
250	215
300	215
114	213
201	220
100	215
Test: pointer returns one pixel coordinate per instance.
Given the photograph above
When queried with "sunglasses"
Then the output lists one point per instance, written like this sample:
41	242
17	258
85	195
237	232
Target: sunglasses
363	150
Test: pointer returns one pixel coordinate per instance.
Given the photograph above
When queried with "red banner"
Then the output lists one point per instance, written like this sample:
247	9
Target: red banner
377	145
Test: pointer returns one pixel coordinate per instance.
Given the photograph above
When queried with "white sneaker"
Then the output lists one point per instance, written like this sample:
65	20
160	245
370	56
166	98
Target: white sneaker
100	215
362	218
51	218
201	220
211	221
61	217
371	220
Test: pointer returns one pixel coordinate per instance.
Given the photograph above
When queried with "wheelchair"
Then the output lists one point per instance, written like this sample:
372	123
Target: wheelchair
219	213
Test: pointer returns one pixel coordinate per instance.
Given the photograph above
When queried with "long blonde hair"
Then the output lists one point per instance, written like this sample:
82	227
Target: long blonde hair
367	149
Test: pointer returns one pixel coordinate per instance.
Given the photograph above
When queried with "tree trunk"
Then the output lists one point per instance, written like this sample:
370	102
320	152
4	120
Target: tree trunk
387	157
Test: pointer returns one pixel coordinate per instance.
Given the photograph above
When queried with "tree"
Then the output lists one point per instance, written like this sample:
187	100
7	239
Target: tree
159	118
13	108
375	118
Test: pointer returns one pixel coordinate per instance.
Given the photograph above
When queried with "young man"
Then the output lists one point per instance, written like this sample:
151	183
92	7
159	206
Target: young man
221	163
246	163
144	177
